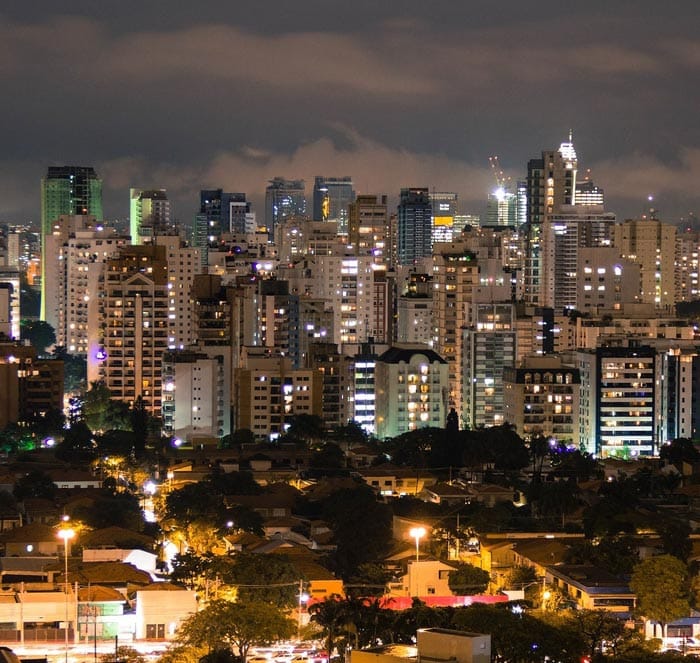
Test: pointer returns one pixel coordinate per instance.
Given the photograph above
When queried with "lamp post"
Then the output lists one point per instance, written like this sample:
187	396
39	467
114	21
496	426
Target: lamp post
66	533
417	533
303	598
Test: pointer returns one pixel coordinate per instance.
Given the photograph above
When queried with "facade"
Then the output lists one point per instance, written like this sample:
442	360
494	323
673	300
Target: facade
332	196
541	397
283	200
651	244
411	390
618	401
337	371
605	281
30	387
149	215
269	393
587	193
563	235
195	395
414	226
10	313
414	319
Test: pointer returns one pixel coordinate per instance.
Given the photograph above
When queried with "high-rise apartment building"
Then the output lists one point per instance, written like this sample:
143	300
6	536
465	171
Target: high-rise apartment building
617	401
283	200
489	347
563	235
414	226
652	244
410	382
455	275
149	215
541	398
76	251
587	193
551	183
135	304
332	196
368	226
67	190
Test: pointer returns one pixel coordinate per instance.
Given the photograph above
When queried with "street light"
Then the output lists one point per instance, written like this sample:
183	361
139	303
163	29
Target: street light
417	533
66	533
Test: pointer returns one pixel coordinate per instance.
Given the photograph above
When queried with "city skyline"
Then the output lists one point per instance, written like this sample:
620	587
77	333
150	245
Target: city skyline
233	96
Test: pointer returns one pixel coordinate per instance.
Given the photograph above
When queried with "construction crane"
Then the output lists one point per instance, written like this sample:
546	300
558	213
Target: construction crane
501	179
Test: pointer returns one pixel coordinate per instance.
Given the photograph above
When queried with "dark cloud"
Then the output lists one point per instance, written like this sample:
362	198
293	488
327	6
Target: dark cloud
411	93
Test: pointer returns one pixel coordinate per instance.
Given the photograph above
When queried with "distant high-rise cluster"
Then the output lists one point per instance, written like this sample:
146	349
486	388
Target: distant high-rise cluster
391	309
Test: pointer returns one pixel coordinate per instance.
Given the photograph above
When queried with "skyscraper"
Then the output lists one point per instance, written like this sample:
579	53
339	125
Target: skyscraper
551	183
444	211
67	190
332	195
415	226
283	199
149	215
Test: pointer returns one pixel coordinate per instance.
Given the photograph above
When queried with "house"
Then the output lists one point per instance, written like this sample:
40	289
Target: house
100	613
423	578
388	479
490	494
442	492
69	478
434	645
590	587
34	539
161	608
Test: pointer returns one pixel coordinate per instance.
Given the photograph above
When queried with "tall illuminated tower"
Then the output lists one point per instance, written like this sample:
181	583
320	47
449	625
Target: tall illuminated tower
283	200
551	183
332	196
67	190
415	226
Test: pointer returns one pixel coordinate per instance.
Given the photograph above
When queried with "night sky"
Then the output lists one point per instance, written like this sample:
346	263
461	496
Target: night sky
230	93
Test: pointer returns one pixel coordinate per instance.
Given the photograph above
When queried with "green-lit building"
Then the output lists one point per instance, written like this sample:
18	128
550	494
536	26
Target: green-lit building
68	190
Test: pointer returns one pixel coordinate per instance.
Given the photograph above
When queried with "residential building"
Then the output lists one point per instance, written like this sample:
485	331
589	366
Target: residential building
414	226
551	183
618	400
196	397
135	304
269	393
149	215
489	346
411	390
541	397
651	244
368	226
67	190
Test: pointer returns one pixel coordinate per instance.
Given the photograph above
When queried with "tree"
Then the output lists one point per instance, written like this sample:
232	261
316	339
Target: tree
662	587
468	579
35	484
261	578
351	511
41	335
598	627
679	451
519	576
332	615
225	624
125	655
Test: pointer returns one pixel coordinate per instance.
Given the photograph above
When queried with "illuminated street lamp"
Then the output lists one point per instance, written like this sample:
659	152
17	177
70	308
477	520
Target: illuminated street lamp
66	533
417	533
